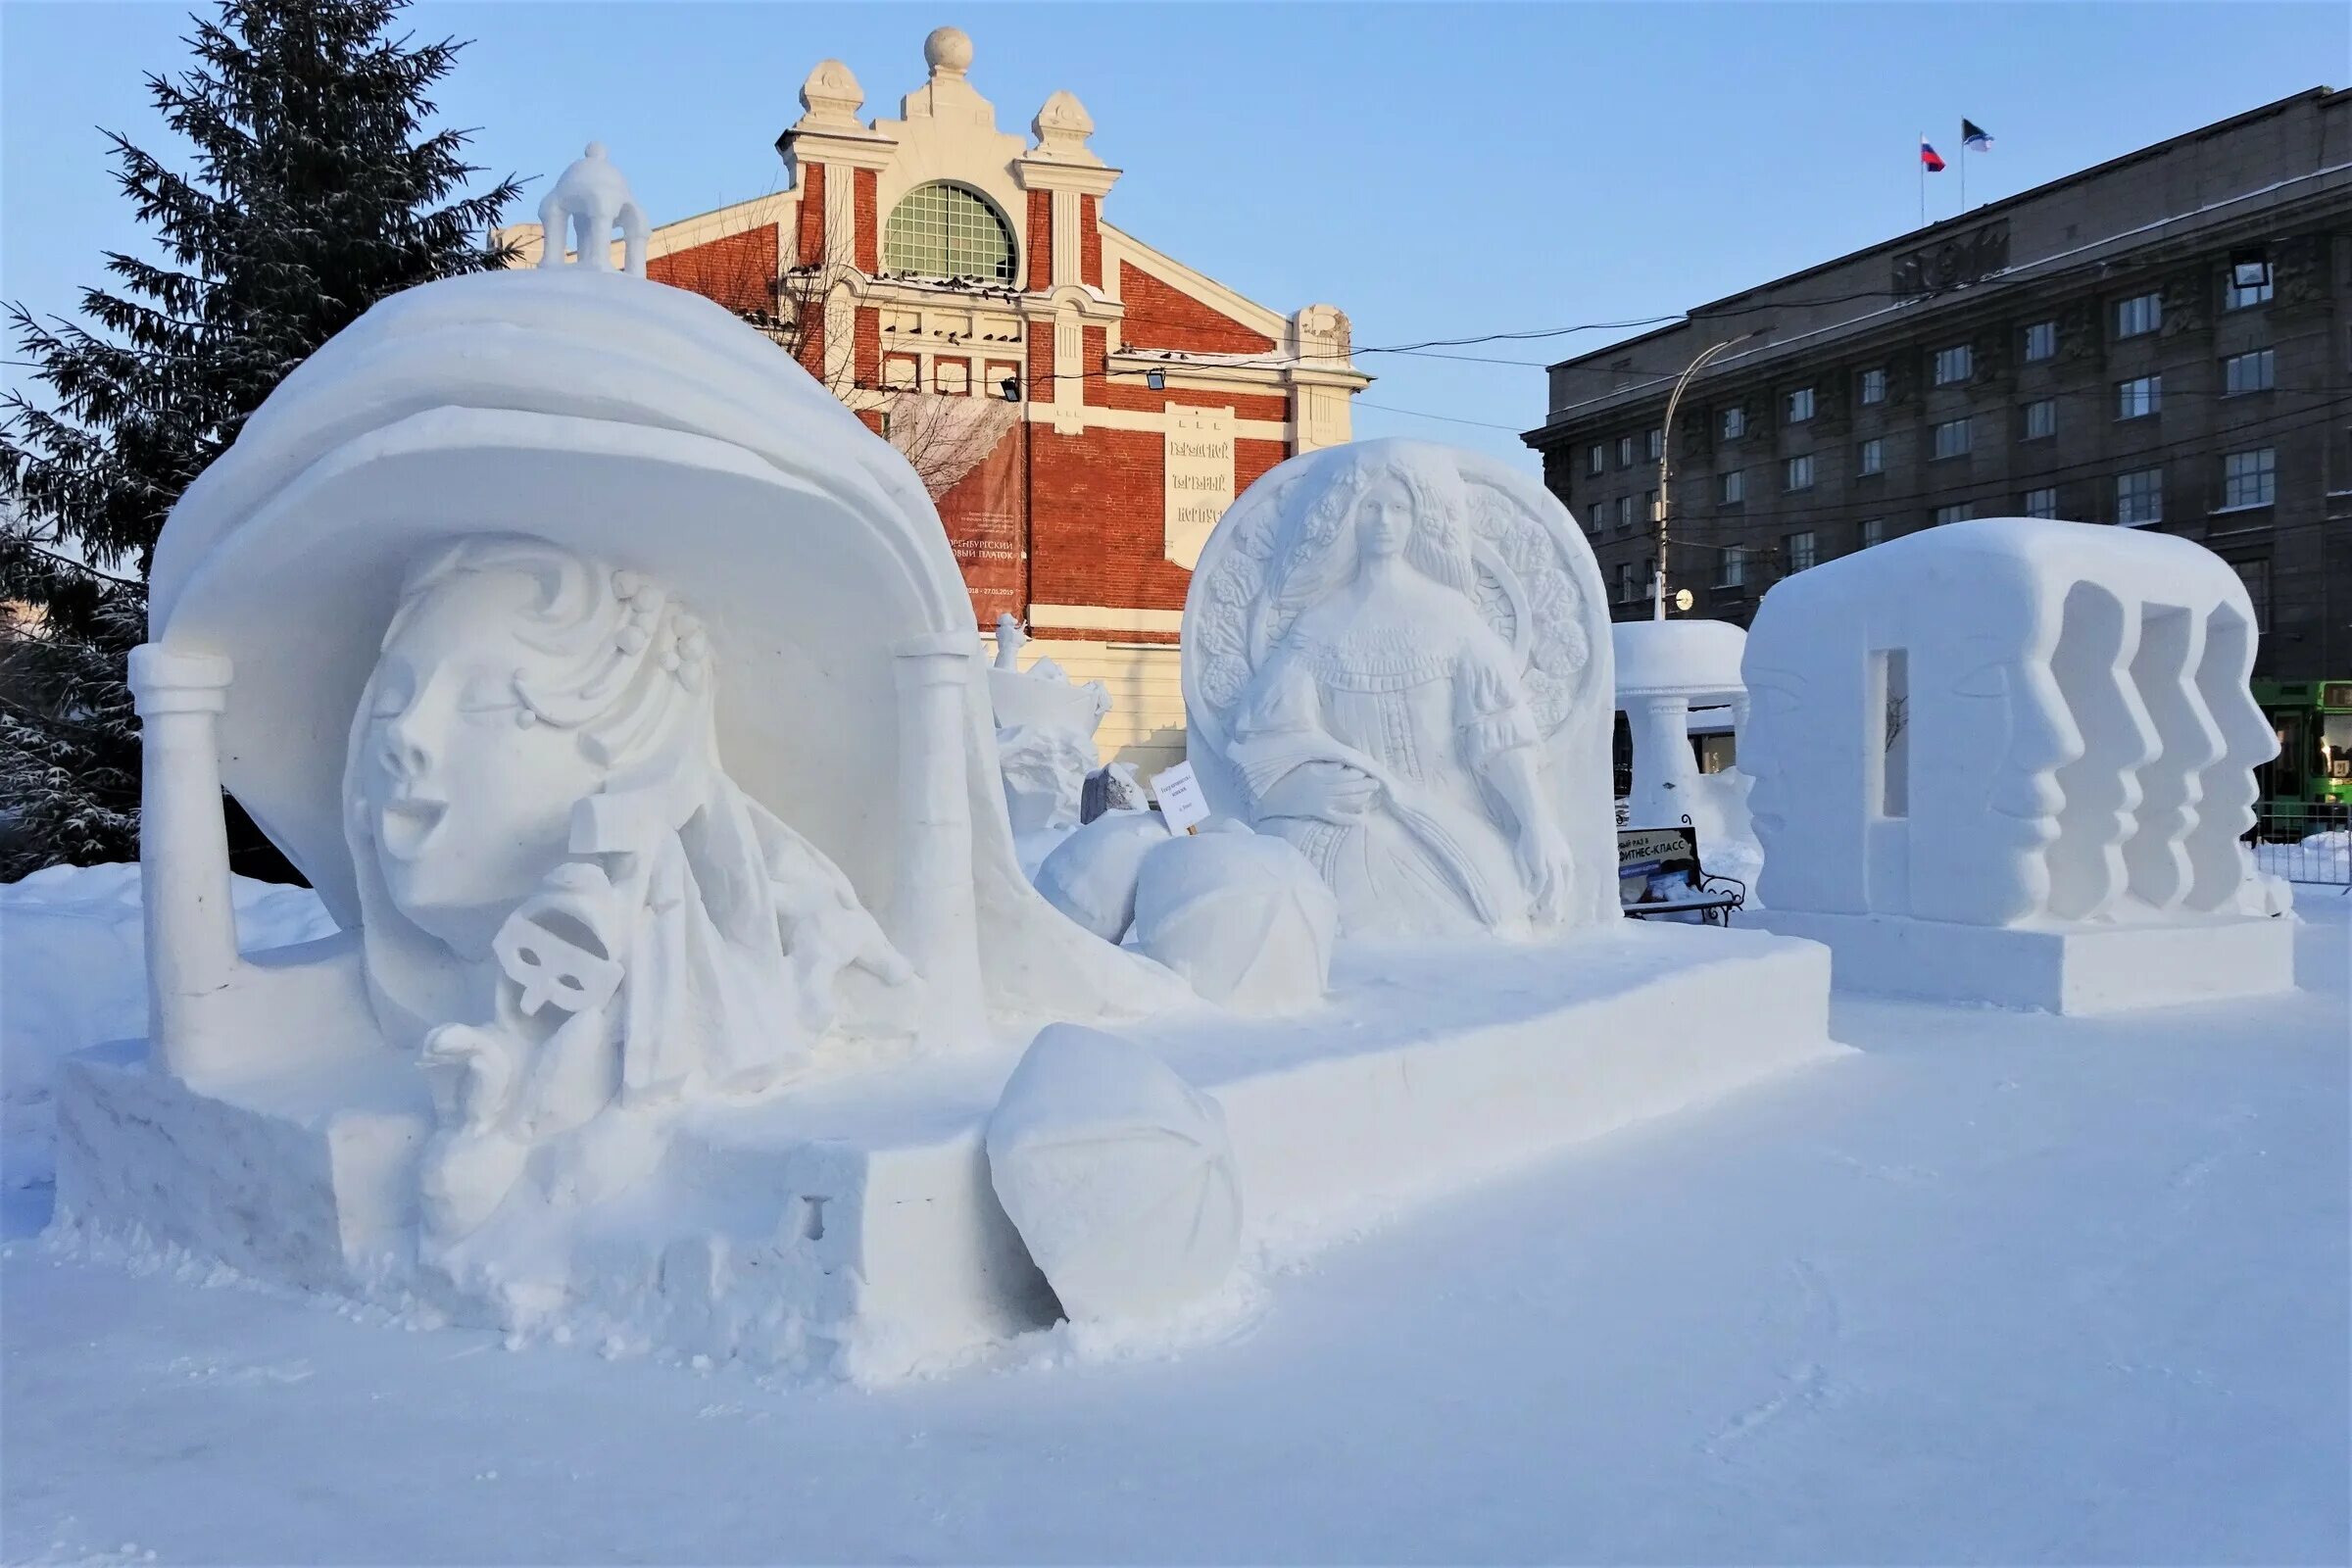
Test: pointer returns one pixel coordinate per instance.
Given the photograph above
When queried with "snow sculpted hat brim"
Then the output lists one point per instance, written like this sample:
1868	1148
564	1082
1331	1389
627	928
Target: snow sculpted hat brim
622	419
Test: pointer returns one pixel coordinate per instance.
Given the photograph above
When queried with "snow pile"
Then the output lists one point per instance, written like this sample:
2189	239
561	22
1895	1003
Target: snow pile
75	976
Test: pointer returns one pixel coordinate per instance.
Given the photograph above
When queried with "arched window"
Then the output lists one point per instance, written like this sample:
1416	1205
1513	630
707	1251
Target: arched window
947	230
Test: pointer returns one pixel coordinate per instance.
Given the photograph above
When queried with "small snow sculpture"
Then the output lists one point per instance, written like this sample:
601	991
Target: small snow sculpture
1396	659
1243	917
540	816
1663	667
1091	875
1118	1175
589	200
2014	724
1046	725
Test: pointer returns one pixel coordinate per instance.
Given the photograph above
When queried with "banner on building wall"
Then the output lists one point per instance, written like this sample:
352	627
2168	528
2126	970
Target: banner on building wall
1198	468
982	508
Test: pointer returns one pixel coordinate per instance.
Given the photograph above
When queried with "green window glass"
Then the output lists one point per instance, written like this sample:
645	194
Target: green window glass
947	230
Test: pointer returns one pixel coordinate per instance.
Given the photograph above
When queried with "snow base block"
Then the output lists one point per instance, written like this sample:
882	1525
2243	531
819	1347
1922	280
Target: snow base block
848	1227
2109	970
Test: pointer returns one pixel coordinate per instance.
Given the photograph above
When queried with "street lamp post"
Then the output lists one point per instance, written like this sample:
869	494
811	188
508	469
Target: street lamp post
1666	461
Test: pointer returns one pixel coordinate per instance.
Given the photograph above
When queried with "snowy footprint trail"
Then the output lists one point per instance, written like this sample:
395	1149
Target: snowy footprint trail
2004	1286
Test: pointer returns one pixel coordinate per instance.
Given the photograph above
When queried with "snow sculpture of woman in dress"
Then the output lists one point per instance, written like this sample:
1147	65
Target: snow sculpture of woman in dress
567	901
1378	720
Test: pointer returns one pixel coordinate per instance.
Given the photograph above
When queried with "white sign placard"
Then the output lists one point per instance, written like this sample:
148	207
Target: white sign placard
1198	465
1180	802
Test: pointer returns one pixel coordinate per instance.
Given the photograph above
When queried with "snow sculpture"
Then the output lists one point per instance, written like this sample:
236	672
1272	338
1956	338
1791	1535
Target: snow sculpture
1046	725
1118	1175
1395	658
2012	759
591	199
1243	917
538	812
1663	667
1091	875
615	817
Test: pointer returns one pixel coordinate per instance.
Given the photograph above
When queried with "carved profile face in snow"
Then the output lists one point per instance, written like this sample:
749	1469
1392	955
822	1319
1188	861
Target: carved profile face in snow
511	682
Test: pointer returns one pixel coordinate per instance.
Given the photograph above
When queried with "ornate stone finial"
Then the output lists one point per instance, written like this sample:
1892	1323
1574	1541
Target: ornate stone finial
831	97
586	202
1061	127
948	52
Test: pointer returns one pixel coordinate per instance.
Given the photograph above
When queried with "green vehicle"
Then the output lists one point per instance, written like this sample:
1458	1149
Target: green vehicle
2309	784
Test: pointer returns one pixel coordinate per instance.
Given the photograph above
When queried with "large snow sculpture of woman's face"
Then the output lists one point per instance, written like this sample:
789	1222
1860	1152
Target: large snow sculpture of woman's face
568	905
467	787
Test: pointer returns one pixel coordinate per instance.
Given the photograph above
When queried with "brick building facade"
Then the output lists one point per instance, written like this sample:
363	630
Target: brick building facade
2163	341
1082	405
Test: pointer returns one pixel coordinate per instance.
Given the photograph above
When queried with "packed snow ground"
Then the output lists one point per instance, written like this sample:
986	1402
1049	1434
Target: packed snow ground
2003	1286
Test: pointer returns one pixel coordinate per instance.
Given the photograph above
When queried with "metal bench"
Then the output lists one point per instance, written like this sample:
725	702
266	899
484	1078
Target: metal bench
1658	874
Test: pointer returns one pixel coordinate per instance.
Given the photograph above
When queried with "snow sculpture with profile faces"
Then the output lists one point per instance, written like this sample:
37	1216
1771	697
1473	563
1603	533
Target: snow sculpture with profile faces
1395	658
2012	724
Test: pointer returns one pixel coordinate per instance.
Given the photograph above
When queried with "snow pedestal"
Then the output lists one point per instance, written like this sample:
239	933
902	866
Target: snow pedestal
1663	669
851	1228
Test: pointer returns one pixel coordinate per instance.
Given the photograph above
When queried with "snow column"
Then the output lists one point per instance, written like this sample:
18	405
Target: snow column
183	854
1664	769
937	923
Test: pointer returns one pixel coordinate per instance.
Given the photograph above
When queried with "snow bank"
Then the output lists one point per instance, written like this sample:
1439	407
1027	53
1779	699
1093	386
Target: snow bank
73	974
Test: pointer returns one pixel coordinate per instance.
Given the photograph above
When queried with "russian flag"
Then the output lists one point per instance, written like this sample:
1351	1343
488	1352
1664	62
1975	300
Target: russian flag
1930	159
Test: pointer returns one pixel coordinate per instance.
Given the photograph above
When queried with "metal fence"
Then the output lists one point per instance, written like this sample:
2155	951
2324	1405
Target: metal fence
2303	844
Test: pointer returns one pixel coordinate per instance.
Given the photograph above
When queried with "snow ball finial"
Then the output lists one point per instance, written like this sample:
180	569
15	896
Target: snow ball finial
948	52
587	202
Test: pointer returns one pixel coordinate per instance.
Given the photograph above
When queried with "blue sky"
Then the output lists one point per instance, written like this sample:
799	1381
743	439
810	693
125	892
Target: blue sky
1435	171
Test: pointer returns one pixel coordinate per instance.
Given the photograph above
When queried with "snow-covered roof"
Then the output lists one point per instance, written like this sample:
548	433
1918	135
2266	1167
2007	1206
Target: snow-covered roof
1694	659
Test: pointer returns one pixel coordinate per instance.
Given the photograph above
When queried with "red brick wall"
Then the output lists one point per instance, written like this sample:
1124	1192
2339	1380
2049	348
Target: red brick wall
812	215
739	272
1090	242
865	348
870	223
1163	317
1041	241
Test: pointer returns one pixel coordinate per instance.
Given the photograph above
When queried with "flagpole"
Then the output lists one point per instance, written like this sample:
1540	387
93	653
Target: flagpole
1921	159
1964	175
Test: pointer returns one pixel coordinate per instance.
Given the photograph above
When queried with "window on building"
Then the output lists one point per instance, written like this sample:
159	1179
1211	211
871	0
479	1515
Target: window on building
2138	315
1952	438
2250	479
2042	419
1957	512
1625	513
1649	505
2041	342
1954	365
2042	503
2256	575
1874	386
1735	569
1871	455
2236	295
904	376
1629	582
2138	397
1802	552
1596	458
1657	445
1799	474
951	376
1735	423
2140	497
1625	452
1800	404
2247	372
1874	531
1735	487
944	229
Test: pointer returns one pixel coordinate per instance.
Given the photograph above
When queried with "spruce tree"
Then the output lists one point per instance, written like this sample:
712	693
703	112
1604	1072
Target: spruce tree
316	189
